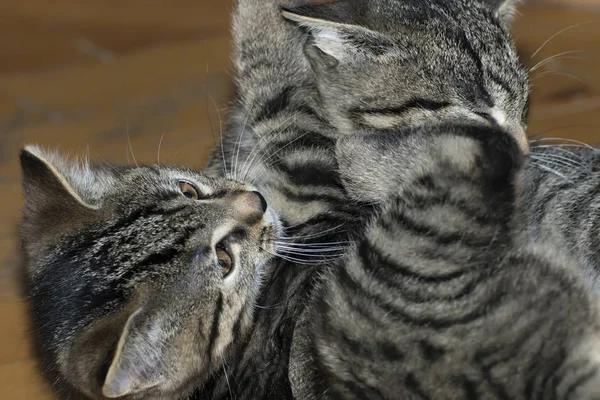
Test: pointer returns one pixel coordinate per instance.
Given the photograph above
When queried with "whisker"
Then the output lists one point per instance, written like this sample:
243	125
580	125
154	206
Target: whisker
212	100
554	57
159	146
557	157
226	377
239	144
324	251
557	34
311	245
264	158
293	259
546	139
550	163
558	148
130	147
552	171
312	235
541	74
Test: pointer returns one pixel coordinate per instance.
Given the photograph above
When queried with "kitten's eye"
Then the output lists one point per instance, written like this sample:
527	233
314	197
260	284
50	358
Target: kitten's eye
225	261
188	190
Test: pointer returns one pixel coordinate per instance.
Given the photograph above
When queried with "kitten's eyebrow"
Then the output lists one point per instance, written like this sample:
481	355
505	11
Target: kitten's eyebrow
422	104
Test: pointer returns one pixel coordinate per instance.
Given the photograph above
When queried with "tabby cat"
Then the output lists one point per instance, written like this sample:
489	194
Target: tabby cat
445	297
132	322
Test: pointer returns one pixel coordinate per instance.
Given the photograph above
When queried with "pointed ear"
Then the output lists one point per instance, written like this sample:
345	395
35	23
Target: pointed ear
137	364
337	34
49	182
503	9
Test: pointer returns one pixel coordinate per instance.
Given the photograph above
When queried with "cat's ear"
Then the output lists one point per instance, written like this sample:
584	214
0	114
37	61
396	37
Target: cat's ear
503	9
336	33
52	183
53	189
137	364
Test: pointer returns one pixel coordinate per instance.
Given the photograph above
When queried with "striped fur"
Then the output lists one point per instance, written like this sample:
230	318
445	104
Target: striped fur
291	110
127	295
563	201
445	298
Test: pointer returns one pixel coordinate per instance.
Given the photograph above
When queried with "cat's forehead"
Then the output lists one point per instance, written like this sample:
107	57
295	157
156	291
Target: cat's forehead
164	178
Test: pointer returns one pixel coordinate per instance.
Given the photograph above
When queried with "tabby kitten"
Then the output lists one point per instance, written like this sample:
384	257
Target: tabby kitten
444	297
141	280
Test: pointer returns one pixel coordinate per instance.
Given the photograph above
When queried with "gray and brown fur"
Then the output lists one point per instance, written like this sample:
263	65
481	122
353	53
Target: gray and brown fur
445	297
290	121
126	294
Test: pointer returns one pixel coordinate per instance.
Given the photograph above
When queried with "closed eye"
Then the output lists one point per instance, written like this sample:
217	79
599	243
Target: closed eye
415	104
391	117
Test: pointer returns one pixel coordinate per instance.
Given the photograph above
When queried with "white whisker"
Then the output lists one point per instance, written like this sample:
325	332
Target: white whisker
212	100
557	34
557	158
130	147
552	171
563	55
226	376
159	146
547	139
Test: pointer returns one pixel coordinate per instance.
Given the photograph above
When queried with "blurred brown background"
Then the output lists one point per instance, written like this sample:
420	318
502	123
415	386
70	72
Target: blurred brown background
83	75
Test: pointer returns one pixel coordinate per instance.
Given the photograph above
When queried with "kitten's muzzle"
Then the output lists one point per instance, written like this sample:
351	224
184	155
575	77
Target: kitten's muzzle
250	206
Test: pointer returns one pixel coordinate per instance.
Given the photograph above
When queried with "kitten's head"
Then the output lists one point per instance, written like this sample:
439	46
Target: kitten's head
389	63
142	280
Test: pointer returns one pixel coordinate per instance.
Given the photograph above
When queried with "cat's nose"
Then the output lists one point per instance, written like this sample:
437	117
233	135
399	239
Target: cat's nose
263	202
251	206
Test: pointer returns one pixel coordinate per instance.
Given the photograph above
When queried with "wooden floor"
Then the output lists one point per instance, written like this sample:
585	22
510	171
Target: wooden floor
83	75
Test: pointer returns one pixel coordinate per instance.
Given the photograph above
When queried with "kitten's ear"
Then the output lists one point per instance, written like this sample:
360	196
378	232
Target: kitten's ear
504	9
49	182
336	31
137	364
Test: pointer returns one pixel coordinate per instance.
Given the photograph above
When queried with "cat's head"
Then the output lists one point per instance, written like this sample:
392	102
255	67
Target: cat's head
389	63
142	280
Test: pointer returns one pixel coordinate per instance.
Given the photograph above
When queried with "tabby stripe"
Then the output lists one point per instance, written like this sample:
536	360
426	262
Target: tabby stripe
139	214
399	221
214	329
311	174
586	202
167	254
275	105
373	259
386	271
422	202
431	352
499	81
492	302
311	197
329	379
580	381
414	386
379	351
303	140
469	388
467	47
420	104
510	351
353	293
